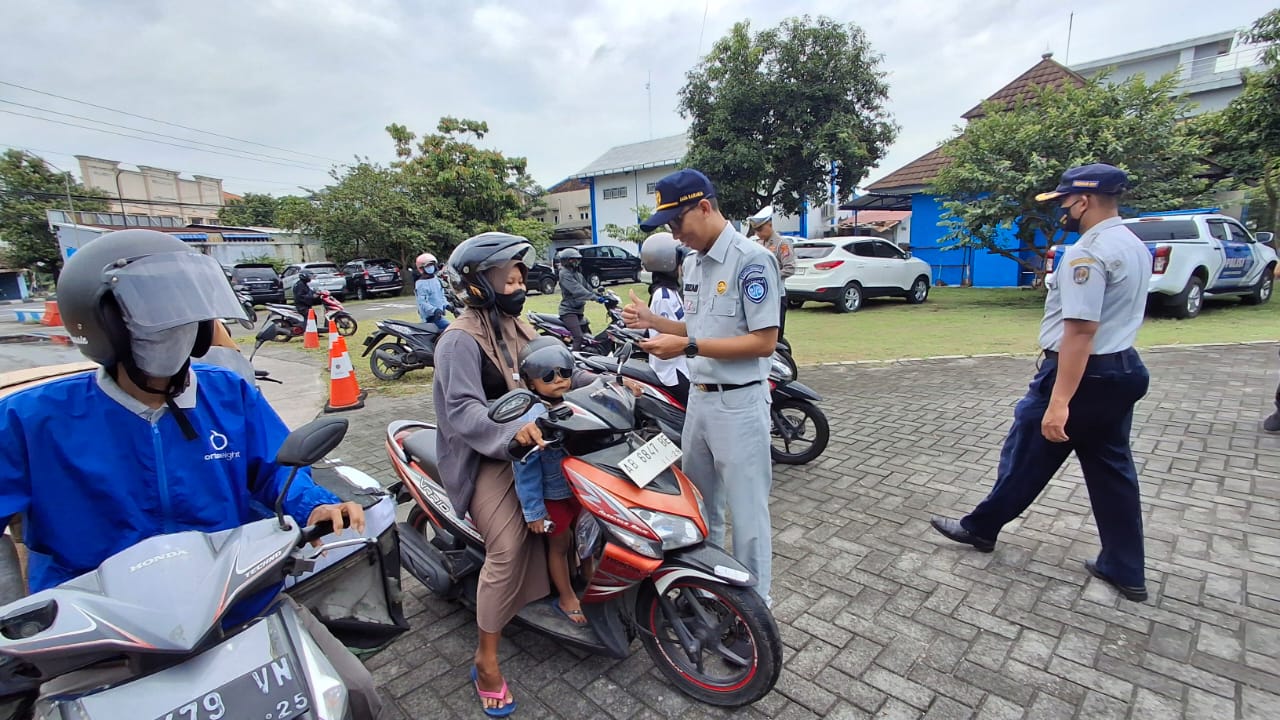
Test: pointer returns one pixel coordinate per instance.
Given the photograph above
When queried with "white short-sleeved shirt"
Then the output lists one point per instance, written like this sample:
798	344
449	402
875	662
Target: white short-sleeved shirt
1102	278
733	289
667	303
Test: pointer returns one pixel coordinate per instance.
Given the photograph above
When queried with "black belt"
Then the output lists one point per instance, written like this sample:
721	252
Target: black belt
1053	354
712	387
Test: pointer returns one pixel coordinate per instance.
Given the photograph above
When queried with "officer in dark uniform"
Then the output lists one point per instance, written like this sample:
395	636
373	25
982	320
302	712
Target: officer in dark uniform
1083	396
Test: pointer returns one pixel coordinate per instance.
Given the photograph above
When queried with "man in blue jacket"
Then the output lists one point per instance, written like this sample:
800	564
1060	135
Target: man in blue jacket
149	444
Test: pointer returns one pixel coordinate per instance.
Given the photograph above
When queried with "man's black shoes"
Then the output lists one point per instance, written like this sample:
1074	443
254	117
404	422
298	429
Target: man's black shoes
953	530
1136	594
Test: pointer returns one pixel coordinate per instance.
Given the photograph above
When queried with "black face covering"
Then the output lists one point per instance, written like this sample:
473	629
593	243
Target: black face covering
1066	222
510	303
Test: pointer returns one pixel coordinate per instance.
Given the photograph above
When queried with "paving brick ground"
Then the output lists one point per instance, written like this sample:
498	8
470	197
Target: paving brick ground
883	618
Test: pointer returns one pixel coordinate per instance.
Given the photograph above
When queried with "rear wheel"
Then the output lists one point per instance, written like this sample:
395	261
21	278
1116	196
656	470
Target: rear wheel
1262	291
795	303
1188	303
283	329
361	294
387	367
346	324
547	286
799	431
731	652
850	299
593	280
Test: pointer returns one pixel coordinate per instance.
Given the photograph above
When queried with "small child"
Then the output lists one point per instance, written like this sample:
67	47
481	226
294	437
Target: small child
546	366
429	292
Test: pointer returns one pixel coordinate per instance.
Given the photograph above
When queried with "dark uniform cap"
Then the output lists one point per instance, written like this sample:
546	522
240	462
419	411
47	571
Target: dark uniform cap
675	192
1096	178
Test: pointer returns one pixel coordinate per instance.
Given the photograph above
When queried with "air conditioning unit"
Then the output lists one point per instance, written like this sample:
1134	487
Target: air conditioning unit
830	211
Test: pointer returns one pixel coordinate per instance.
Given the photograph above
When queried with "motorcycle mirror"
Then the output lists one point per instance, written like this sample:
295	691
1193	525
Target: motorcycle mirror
306	446
511	406
624	354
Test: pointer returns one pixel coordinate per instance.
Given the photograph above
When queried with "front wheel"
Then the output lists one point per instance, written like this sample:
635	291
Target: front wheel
1262	291
919	291
593	281
547	286
346	324
388	367
731	651
799	431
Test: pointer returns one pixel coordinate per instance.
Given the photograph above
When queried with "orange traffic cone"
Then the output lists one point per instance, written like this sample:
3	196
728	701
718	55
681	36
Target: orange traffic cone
344	389
51	316
311	338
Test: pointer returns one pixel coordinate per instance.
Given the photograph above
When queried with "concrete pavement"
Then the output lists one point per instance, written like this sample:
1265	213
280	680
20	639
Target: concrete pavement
881	617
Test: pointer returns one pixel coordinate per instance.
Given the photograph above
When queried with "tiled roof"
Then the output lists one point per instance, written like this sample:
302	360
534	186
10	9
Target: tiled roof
637	156
1046	73
920	171
567	185
869	217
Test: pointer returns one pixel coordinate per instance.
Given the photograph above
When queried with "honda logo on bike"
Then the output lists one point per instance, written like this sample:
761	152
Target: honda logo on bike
153	560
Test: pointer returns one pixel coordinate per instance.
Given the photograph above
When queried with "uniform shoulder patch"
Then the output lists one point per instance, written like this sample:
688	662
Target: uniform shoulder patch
1080	274
750	270
755	288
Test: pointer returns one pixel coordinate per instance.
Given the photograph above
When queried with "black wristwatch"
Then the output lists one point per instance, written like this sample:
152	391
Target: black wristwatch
691	349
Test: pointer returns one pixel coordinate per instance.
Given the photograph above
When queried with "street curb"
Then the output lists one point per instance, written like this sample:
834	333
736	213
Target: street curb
931	358
24	302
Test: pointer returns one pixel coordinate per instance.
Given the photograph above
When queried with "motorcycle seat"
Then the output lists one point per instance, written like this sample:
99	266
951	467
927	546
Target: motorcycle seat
421	447
547	318
422	327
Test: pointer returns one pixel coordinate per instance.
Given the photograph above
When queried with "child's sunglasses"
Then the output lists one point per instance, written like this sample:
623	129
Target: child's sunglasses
550	375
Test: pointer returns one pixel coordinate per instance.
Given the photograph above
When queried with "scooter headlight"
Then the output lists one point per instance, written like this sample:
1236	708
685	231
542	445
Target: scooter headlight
675	531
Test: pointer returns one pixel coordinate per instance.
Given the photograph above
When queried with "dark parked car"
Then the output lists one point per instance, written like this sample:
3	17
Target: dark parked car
260	281
542	277
373	276
605	263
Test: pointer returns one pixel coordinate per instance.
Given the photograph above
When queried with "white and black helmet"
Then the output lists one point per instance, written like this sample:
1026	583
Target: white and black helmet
469	261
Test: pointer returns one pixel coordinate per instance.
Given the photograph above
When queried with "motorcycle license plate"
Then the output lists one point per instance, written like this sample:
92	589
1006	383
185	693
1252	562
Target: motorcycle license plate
643	465
271	692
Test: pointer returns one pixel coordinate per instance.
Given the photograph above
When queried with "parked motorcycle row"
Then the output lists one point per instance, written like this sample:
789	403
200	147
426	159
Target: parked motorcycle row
206	638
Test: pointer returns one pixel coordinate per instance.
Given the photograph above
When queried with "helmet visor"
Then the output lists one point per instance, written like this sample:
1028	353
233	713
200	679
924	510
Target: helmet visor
165	290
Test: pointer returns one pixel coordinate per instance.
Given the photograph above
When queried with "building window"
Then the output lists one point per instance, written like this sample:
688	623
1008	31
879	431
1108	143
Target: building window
557	218
651	188
615	193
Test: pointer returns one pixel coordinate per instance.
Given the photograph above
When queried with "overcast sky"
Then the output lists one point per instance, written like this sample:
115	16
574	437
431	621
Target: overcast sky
558	81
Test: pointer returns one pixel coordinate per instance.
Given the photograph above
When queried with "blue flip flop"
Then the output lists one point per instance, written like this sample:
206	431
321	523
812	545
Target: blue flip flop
503	711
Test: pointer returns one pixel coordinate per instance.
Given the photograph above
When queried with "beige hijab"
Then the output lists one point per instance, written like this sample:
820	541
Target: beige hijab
513	330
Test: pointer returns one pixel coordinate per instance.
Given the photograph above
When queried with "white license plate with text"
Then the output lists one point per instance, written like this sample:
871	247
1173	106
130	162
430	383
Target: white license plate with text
643	465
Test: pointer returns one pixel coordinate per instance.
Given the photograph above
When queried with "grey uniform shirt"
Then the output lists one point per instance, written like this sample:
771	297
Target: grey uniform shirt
1102	278
733	289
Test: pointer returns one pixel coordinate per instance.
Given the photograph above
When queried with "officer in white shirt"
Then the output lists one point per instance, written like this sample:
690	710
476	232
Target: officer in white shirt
1082	398
730	329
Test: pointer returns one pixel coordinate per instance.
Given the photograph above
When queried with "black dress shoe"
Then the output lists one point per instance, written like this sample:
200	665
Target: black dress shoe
953	530
1136	594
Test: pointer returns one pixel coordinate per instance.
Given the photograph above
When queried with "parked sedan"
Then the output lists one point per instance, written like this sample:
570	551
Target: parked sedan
845	271
366	277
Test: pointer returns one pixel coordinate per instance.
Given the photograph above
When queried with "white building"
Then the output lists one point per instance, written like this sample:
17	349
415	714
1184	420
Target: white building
624	178
154	191
1208	67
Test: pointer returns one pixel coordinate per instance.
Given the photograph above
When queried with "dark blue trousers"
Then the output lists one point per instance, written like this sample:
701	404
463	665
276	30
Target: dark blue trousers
1101	416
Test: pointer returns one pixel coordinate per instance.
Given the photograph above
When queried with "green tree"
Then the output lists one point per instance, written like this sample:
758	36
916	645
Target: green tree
294	213
1000	161
772	111
632	233
29	187
254	209
1244	137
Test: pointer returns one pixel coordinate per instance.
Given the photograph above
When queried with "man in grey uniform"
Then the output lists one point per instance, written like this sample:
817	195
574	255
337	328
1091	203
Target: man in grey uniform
730	328
760	226
1083	396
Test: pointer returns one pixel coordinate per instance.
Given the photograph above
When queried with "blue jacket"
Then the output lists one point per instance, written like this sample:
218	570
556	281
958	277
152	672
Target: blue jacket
431	301
93	477
539	477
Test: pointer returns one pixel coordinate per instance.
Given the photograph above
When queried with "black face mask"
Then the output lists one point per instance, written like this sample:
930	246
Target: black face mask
1066	222
510	303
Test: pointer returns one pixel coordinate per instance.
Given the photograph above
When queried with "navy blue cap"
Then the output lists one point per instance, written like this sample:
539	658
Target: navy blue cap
674	193
1096	178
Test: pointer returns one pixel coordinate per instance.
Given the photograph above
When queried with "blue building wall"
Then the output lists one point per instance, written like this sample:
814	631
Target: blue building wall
954	266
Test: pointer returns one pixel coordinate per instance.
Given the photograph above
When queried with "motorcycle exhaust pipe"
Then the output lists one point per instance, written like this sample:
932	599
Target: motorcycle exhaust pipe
384	356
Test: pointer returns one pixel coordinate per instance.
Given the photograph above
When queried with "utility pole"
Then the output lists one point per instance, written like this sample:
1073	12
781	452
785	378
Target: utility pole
1070	22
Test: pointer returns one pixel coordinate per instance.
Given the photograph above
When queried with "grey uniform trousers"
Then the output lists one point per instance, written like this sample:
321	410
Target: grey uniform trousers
725	445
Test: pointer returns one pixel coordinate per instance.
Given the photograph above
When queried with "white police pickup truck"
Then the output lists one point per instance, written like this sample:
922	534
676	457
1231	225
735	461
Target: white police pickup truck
1198	254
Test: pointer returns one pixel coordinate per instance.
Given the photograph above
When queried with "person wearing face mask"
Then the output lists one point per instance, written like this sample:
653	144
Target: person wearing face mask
152	443
430	292
574	294
476	363
1083	396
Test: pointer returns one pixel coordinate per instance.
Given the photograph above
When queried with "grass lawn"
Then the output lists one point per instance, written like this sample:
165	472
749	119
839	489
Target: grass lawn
954	321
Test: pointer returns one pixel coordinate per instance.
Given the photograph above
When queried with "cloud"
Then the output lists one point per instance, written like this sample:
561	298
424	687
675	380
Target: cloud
558	81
